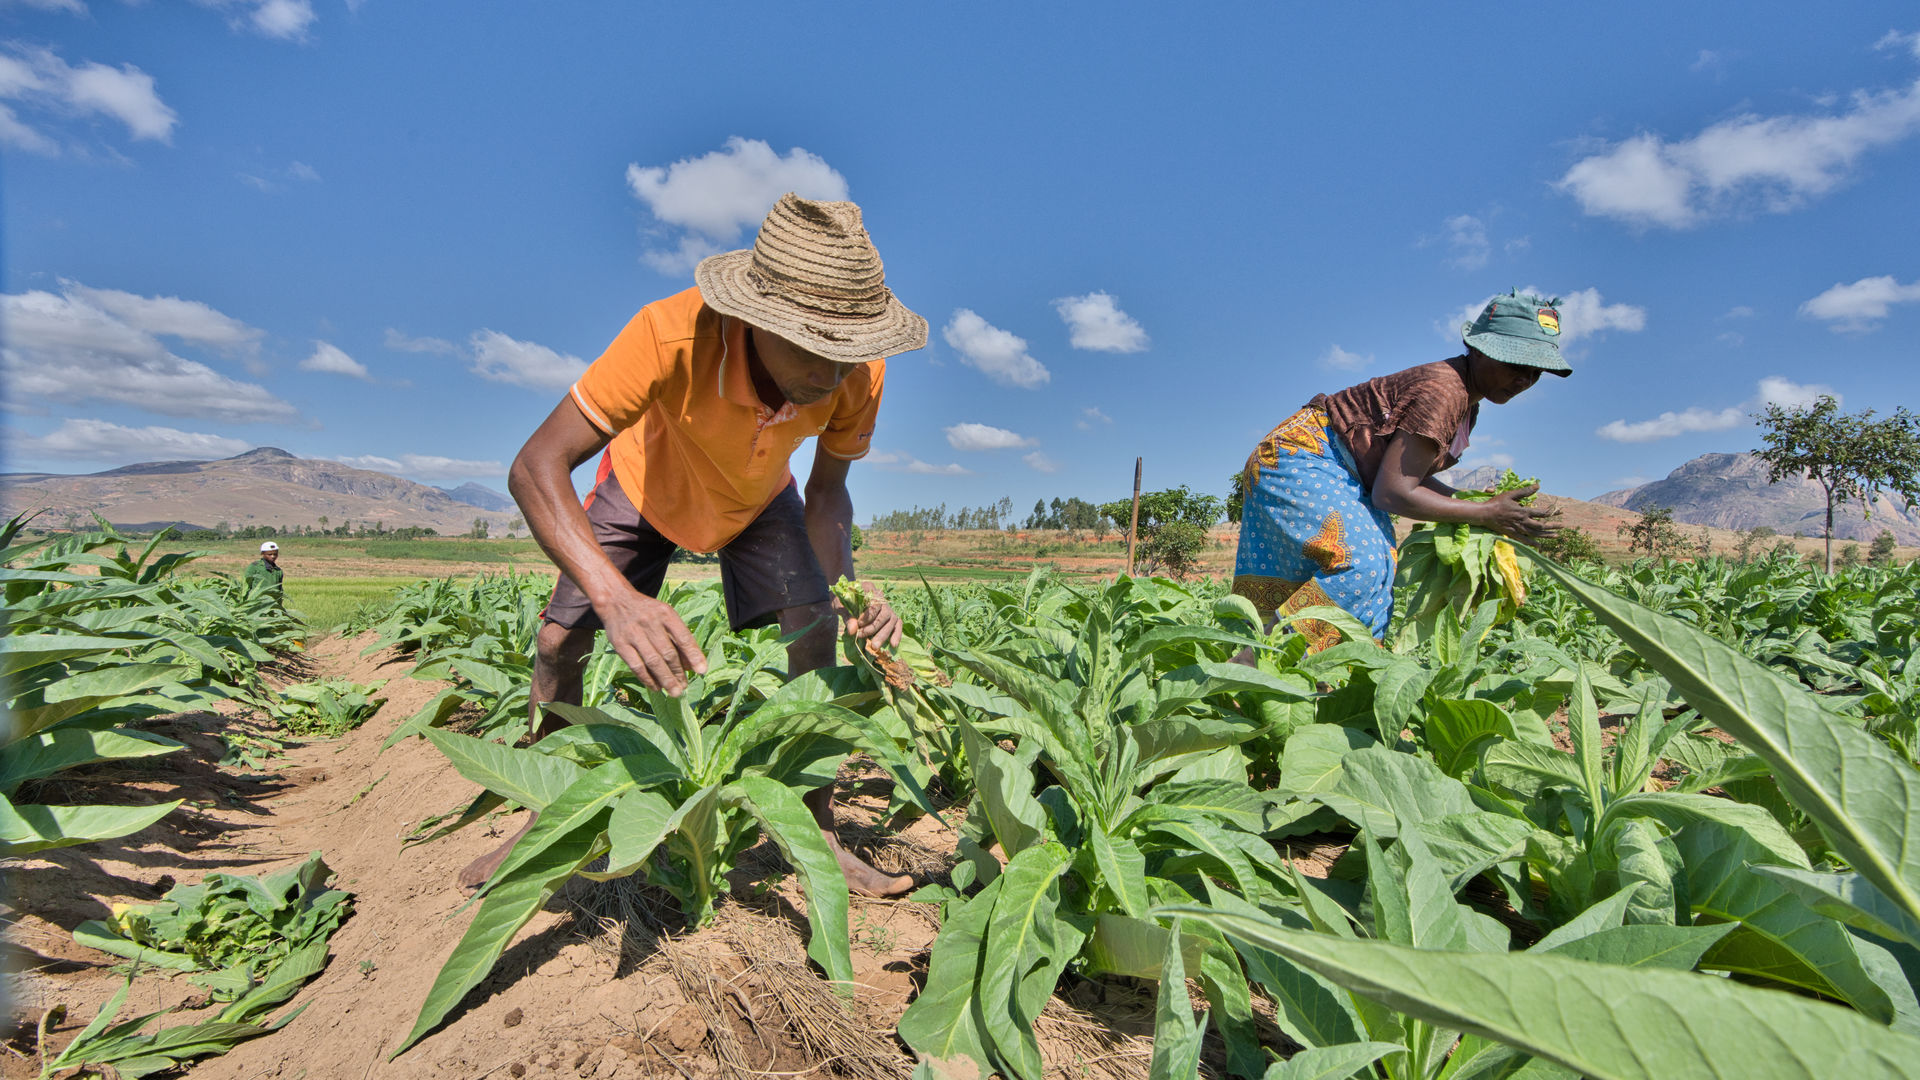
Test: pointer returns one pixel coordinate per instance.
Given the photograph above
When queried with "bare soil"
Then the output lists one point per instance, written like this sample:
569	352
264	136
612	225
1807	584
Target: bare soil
605	982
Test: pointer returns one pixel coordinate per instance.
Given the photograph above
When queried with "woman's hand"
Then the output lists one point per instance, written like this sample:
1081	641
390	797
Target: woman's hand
1504	515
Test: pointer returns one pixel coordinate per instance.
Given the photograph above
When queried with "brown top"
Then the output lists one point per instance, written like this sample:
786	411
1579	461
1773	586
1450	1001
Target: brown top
1430	400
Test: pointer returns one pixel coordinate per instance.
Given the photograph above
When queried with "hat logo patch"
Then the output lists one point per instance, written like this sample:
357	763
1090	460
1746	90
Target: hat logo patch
1549	320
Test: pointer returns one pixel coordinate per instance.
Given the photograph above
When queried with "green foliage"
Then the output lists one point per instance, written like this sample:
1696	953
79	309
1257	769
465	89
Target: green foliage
249	941
1655	535
1571	544
232	931
96	636
327	709
1881	553
1853	456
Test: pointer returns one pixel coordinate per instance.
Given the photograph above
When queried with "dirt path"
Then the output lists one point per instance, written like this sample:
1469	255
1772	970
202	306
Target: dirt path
602	983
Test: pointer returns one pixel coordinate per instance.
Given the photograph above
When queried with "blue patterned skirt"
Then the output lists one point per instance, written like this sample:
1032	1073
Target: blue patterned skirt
1308	533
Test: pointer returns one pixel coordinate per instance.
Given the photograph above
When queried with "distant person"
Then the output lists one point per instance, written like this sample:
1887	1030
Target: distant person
1318	490
264	573
700	401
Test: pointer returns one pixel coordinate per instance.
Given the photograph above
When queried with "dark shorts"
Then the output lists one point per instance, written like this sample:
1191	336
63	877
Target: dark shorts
767	569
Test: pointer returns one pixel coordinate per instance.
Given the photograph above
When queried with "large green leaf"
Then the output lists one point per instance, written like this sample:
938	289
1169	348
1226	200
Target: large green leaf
1177	1033
1457	730
1024	934
1331	1062
943	1025
528	777
18	652
583	801
1863	795
1604	1022
27	829
1379	788
790	825
502	914
1311	761
63	748
1849	898
1003	784
1779	936
1645	945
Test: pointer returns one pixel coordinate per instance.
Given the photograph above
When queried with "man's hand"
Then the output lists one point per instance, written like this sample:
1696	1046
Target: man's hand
650	637
878	623
1504	515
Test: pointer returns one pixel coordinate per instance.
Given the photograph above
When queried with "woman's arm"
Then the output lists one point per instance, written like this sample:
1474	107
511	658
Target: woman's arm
1401	487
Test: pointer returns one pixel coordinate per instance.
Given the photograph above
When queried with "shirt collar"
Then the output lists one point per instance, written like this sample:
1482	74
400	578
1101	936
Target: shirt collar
736	374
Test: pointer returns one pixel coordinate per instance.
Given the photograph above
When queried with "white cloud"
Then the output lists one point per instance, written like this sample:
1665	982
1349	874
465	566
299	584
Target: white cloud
1746	163
522	363
72	7
70	348
1772	390
717	196
286	20
1895	40
1775	390
300	170
330	359
400	342
1040	462
1090	416
1739	311
1709	62
1096	322
1669	424
1858	307
1341	360
982	437
169	316
1001	356
1582	313
896	462
38	79
424	466
98	440
1467	239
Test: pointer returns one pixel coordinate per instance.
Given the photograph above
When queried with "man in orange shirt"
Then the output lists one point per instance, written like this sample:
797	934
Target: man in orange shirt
703	397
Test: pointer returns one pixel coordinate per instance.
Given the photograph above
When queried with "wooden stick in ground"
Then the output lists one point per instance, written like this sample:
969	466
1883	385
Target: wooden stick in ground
1133	530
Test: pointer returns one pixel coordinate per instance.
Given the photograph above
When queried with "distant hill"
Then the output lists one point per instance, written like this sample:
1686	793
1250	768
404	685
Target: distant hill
481	496
264	486
1730	491
1479	479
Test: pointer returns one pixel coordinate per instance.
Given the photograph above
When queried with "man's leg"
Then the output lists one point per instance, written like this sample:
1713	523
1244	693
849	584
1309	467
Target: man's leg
559	662
810	653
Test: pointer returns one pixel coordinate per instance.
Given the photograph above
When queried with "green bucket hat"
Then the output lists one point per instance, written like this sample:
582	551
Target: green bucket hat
1520	328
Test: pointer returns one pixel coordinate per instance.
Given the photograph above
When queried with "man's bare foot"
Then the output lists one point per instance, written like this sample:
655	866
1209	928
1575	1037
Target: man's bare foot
862	879
479	870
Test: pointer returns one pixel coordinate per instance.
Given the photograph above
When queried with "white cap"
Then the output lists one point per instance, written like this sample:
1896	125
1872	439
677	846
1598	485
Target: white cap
269	546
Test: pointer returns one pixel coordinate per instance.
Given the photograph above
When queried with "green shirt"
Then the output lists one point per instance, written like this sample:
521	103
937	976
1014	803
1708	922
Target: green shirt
264	575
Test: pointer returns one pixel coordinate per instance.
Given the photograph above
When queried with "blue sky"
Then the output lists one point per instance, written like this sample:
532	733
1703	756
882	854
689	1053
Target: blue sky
390	232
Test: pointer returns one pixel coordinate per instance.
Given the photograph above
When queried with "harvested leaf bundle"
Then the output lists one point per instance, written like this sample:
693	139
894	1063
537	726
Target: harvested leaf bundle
1455	568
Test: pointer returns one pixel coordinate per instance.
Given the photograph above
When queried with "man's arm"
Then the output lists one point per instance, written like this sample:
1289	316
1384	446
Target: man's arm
646	633
830	530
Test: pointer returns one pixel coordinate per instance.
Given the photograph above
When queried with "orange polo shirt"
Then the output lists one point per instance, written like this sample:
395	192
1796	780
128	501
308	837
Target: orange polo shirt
693	445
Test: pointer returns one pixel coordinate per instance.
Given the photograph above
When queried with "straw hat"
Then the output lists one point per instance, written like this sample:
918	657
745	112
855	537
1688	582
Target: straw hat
814	278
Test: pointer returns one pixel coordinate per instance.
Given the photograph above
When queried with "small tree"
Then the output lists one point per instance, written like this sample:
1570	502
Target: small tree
323	523
1852	455
1236	495
1849	555
1173	527
1569	544
479	528
1656	535
1881	553
1749	539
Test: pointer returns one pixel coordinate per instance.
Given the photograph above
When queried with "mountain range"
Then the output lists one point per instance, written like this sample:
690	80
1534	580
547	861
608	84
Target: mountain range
1730	491
264	486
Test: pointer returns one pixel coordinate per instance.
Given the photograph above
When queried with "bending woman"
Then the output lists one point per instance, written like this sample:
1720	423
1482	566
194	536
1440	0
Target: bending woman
1320	489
